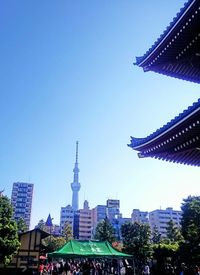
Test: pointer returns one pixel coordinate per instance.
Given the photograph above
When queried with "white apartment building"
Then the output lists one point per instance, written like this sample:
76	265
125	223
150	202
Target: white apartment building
66	216
98	214
21	200
140	216
160	218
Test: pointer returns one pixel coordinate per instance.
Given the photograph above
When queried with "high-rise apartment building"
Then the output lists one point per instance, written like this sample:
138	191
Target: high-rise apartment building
159	219
85	222
140	216
66	216
113	209
98	214
21	201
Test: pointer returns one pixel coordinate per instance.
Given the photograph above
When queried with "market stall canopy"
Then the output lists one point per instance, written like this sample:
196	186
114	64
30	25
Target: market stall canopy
92	249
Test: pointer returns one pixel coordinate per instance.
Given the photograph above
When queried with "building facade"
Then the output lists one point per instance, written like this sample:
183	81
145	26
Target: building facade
140	216
85	222
28	254
66	216
176	54
98	214
21	200
159	219
113	209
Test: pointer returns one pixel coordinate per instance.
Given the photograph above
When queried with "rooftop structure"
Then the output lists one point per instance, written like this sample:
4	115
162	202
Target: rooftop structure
177	141
177	54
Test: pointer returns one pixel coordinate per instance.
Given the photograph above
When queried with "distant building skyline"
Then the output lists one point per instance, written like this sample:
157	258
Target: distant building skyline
84	220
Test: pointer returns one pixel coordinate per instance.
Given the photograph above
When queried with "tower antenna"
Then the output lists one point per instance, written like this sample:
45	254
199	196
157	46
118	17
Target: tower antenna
75	185
77	152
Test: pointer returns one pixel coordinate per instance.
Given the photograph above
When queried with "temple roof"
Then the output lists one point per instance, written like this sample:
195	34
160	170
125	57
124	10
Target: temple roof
177	141
176	53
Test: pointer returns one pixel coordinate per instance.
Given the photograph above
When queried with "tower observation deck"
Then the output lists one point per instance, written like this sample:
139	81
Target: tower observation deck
75	185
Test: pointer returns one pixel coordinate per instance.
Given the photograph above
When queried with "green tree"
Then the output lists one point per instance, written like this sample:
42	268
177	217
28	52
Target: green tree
67	232
173	232
136	241
41	225
156	236
53	243
9	242
190	249
164	253
105	231
21	225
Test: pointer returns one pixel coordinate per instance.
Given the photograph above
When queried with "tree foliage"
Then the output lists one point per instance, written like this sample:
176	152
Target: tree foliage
136	241
173	233
164	250
190	222
67	232
53	243
41	225
9	242
21	225
156	236
105	231
164	253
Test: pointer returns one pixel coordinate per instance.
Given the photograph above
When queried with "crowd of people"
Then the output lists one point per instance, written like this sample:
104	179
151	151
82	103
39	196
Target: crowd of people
180	269
84	267
103	267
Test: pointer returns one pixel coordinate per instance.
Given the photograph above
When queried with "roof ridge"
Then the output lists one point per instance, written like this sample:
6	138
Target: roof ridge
168	125
167	30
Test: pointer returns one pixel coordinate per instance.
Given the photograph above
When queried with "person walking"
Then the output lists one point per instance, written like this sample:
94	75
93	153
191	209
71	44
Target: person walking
146	270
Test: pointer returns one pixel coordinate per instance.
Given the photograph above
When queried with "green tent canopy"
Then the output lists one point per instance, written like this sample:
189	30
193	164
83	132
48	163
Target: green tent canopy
92	249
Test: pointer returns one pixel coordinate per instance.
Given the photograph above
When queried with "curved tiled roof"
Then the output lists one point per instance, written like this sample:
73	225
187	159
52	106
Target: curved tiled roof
186	113
167	30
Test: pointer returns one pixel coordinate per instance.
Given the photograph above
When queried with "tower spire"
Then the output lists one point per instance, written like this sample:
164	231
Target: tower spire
77	152
75	185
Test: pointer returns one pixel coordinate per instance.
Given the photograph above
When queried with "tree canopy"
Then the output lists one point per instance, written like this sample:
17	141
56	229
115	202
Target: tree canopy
156	236
53	243
136	241
67	232
173	232
105	231
190	222
9	242
21	225
41	225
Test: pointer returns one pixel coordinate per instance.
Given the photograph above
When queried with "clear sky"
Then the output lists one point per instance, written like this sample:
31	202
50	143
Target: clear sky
67	74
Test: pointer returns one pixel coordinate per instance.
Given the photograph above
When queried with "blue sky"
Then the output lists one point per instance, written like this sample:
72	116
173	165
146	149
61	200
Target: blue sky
67	74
